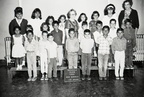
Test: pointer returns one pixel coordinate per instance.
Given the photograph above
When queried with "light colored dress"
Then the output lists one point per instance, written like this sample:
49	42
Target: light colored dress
18	49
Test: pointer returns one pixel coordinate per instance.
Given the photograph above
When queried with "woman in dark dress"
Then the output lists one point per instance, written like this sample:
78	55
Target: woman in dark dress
129	13
71	22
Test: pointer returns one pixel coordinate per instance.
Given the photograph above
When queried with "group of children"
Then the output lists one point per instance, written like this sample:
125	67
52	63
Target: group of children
49	42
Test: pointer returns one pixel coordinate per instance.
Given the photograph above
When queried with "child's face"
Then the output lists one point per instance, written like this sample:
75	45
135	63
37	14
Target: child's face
110	11
62	19
72	15
55	26
128	25
85	27
83	18
50	21
87	35
72	34
17	31
45	28
37	15
19	15
120	34
50	38
44	35
30	36
99	26
127	5
95	16
113	24
105	31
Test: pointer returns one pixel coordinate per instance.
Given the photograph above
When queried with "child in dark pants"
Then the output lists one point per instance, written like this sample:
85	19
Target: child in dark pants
86	45
129	34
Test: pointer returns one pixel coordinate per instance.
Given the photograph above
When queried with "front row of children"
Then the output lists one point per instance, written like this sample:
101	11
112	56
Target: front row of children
49	56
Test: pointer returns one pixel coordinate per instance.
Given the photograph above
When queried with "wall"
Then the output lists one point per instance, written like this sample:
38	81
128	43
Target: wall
7	14
56	8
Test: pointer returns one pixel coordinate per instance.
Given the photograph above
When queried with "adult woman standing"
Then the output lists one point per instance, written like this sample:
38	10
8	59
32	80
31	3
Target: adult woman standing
128	13
71	22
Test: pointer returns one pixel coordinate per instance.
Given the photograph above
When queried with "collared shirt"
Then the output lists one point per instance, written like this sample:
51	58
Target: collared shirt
58	36
72	45
104	44
43	47
96	35
113	33
19	21
31	46
118	44
86	45
52	49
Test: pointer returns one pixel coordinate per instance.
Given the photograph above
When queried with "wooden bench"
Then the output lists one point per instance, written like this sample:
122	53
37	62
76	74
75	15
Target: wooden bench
112	68
12	70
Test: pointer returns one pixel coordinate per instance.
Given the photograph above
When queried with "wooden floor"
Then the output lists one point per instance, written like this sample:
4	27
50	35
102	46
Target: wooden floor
19	87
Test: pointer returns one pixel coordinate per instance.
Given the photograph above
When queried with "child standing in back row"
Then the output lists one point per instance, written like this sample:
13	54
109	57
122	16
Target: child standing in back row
112	34
72	47
58	38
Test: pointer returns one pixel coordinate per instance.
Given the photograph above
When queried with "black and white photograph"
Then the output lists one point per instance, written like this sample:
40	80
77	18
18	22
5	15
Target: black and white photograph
72	48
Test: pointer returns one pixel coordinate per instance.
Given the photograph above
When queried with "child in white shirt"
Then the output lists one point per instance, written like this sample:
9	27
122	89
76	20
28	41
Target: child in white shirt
86	45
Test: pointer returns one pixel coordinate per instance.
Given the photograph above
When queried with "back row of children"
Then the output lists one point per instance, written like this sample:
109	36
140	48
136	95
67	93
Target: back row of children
51	52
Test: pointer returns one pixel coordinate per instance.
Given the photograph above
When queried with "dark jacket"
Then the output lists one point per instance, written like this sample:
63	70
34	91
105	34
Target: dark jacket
133	16
14	23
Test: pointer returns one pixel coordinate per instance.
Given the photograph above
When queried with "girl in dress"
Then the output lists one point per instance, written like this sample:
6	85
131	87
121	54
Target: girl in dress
18	51
92	24
81	19
62	20
49	21
109	13
35	22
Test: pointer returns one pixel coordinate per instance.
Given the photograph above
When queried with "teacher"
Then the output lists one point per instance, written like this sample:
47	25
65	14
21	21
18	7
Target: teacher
128	13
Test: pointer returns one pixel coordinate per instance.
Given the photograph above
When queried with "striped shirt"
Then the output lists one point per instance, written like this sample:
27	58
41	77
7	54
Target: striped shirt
104	44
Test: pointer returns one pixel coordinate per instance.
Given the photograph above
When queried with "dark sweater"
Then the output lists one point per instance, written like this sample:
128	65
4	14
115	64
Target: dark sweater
58	36
14	23
133	16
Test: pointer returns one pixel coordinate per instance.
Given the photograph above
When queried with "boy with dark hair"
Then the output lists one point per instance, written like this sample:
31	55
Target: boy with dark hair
104	43
129	34
86	45
118	49
58	38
